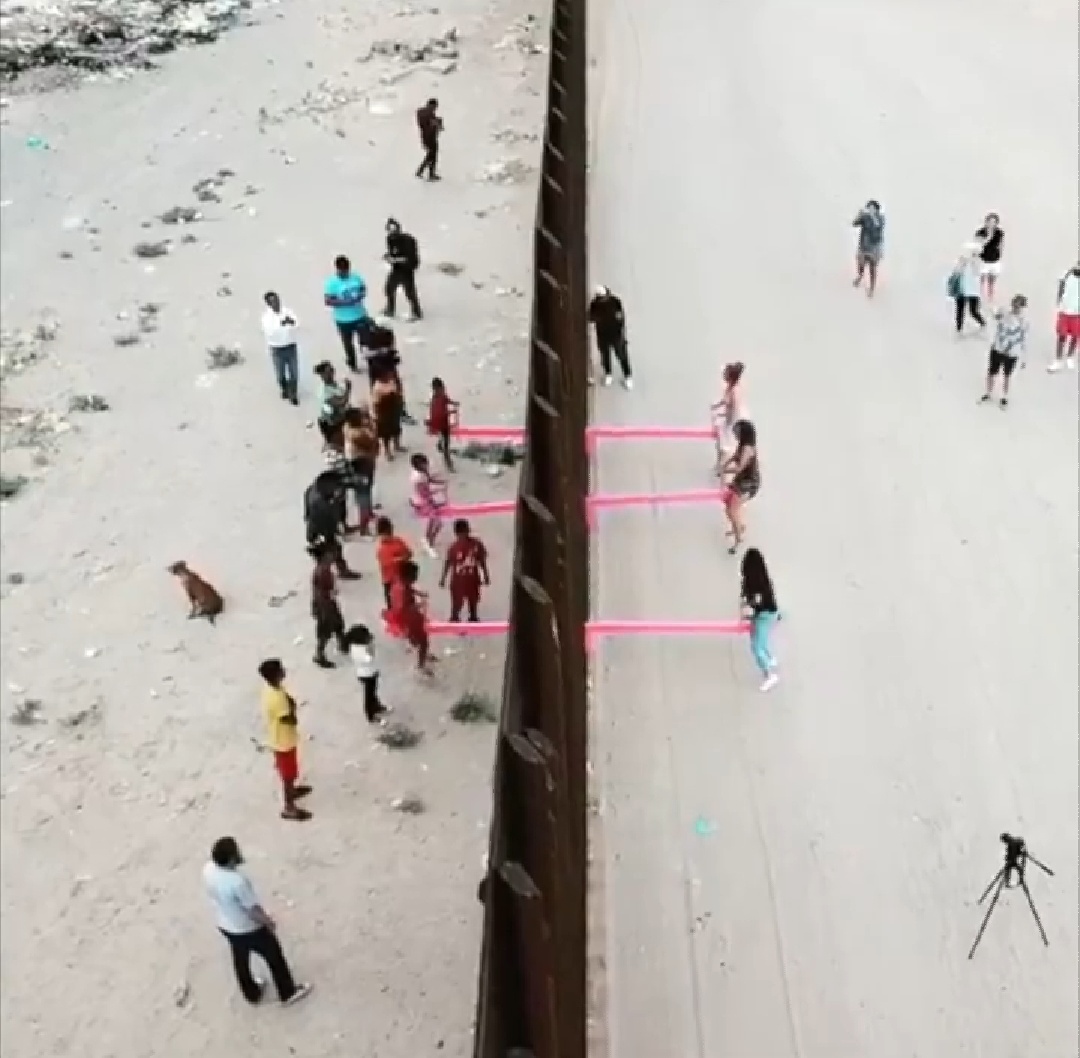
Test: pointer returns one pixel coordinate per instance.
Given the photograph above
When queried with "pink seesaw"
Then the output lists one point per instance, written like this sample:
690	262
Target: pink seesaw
593	434
597	630
600	501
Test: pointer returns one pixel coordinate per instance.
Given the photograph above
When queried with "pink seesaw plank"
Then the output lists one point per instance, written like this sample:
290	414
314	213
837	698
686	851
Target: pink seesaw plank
467	628
477	510
607	500
495	433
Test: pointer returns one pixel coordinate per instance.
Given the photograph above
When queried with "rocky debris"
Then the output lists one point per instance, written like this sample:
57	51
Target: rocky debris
182	994
449	268
222	356
148	316
12	485
27	713
100	35
21	349
277	601
127	338
506	171
326	98
16	578
435	49
87	402
474	708
82	717
180	215
521	37
207	189
31	428
151	249
399	736
505	455
511	136
408	805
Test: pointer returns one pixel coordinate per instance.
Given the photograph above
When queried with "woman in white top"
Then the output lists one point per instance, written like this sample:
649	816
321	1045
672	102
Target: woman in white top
728	410
965	285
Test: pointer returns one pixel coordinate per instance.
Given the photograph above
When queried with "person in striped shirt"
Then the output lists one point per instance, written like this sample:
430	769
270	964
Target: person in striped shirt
1007	348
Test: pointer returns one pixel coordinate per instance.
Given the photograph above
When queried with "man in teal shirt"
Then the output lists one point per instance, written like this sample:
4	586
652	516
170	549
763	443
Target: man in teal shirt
344	293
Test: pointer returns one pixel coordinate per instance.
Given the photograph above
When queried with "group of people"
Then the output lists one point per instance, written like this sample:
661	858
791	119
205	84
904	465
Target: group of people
972	284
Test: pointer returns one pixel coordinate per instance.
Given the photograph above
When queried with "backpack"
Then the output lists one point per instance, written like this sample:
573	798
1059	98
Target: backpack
954	286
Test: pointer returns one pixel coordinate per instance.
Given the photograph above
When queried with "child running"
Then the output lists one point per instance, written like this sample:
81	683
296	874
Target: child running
283	737
466	567
759	605
428	497
408	612
362	652
390	552
441	411
1009	344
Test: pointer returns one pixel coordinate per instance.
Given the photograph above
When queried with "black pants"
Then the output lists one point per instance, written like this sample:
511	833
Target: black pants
329	624
263	943
405	279
350	333
617	346
373	706
964	306
431	160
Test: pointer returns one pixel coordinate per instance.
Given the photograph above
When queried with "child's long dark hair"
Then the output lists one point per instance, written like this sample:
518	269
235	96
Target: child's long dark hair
755	580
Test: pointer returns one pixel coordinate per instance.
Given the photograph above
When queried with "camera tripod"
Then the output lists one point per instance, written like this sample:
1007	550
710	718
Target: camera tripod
1016	861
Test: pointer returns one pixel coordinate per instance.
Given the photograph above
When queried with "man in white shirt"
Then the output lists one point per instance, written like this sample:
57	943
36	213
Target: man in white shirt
279	327
246	926
1068	320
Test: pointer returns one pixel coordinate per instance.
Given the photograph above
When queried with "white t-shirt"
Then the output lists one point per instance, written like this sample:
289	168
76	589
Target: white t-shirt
277	333
1069	303
233	897
363	658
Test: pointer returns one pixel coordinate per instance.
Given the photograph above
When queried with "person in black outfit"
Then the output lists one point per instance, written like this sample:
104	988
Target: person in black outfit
430	125
606	316
329	621
992	238
324	519
403	256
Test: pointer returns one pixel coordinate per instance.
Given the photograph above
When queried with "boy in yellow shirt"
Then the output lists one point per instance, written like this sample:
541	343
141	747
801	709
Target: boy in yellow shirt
283	736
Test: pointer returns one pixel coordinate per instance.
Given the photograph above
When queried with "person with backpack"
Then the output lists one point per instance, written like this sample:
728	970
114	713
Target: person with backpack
871	224
403	256
965	286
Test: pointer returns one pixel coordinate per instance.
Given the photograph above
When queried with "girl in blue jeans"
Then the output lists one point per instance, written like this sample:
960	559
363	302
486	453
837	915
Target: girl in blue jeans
759	605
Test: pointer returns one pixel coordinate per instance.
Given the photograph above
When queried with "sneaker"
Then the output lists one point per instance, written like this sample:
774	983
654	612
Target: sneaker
431	552
302	992
985	398
1054	367
770	682
608	380
1070	363
323	663
628	383
1004	402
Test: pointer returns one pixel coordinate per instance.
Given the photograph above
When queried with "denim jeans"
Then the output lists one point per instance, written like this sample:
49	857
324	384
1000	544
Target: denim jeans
761	626
286	368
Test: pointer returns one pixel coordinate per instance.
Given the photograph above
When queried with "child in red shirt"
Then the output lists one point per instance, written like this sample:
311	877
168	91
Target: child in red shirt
466	567
408	610
390	552
441	411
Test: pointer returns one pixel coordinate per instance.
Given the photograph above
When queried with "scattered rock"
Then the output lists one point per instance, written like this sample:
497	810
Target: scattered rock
148	316
16	578
223	356
82	717
21	349
100	35
27	713
127	338
180	215
410	806
224	292
442	47
207	189
151	249
182	994
474	708
506	455
449	268
276	601
88	402
33	428
399	736
12	486
506	171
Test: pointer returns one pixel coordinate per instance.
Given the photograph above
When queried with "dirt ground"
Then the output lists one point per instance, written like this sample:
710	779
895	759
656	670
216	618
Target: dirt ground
141	751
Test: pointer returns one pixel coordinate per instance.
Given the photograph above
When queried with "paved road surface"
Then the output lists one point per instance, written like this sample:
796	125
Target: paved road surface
925	548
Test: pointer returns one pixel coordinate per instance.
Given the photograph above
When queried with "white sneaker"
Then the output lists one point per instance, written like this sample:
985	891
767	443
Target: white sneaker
608	380
1054	367
431	552
302	992
628	383
770	682
1070	363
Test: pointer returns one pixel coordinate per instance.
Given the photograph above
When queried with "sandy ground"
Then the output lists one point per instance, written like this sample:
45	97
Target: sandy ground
145	752
797	874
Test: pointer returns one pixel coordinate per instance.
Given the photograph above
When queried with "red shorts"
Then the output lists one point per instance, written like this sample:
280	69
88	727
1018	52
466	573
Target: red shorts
1068	326
287	764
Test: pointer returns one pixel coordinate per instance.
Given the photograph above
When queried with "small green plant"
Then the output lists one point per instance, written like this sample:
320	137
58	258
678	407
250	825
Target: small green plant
399	736
474	708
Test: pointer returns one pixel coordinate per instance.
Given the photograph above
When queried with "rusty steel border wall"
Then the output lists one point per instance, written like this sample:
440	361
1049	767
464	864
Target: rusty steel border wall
531	999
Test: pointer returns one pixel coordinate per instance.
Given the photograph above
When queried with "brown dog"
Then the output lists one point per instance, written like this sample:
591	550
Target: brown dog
205	601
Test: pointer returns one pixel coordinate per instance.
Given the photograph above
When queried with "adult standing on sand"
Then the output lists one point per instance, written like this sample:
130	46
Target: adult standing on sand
430	125
344	294
871	224
246	926
279	328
